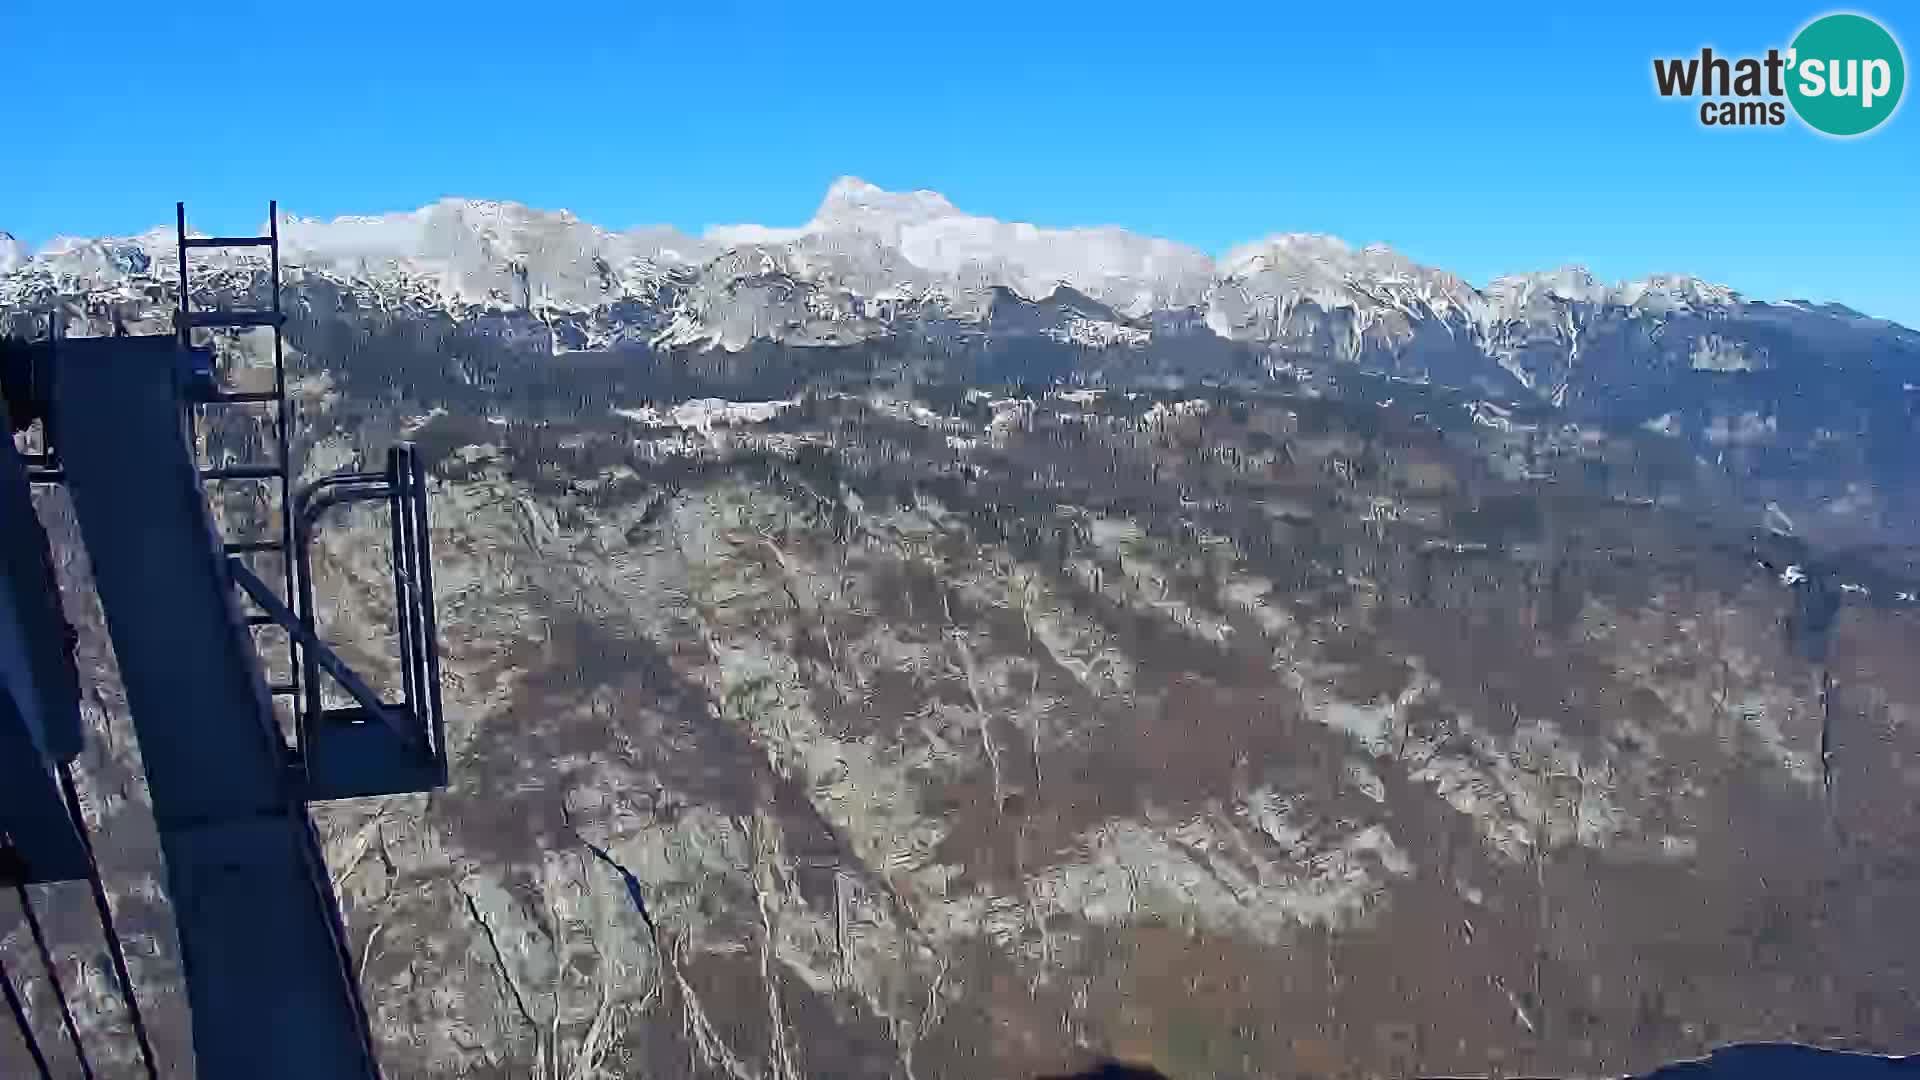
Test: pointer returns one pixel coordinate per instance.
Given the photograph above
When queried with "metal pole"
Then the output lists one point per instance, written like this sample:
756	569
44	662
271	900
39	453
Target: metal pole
308	712
20	1020
180	319
114	950
401	527
53	980
283	435
180	324
429	632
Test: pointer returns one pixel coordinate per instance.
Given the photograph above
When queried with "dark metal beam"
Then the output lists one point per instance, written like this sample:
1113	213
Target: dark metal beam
324	657
39	694
269	977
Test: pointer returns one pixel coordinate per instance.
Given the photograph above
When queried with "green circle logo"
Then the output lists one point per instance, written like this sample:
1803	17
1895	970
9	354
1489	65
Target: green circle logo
1845	74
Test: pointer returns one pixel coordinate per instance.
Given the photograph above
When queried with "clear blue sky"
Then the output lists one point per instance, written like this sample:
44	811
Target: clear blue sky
1482	138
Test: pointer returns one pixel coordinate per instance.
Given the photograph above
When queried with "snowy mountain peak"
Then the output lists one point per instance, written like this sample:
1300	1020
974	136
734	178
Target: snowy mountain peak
1566	283
480	251
1679	290
1327	258
440	229
1304	245
1660	293
1263	282
920	235
853	203
869	258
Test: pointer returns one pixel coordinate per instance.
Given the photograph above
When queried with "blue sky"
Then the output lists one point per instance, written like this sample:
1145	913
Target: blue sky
1484	138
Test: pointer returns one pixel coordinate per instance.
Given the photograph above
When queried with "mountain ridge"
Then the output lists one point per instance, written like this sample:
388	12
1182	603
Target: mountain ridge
850	205
1810	405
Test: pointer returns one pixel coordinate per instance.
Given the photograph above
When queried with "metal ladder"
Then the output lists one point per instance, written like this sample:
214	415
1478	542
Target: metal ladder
186	321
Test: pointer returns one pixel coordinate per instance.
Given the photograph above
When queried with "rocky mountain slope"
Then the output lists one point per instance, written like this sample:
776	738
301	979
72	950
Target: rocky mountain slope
832	694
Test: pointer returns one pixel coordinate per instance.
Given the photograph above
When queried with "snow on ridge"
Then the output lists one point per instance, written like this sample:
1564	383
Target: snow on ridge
1134	273
479	251
851	202
701	414
867	253
1251	257
1658	293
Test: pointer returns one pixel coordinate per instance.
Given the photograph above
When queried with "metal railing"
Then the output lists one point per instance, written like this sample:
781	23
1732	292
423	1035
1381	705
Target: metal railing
417	716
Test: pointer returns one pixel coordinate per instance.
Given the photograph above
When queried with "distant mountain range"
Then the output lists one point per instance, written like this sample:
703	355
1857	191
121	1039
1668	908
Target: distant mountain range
1813	406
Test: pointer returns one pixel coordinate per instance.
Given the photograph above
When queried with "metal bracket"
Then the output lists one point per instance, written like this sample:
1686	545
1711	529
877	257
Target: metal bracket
340	758
317	650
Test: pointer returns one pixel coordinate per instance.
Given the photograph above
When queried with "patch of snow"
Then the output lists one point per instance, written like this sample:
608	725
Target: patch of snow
1363	779
702	414
1747	429
1259	873
414	423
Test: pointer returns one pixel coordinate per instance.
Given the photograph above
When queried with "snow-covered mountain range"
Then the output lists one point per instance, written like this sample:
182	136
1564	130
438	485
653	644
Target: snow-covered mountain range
871	259
909	273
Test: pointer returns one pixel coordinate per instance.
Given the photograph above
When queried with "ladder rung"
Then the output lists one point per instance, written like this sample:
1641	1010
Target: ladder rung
241	472
283	688
239	547
245	396
228	241
260	618
235	318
